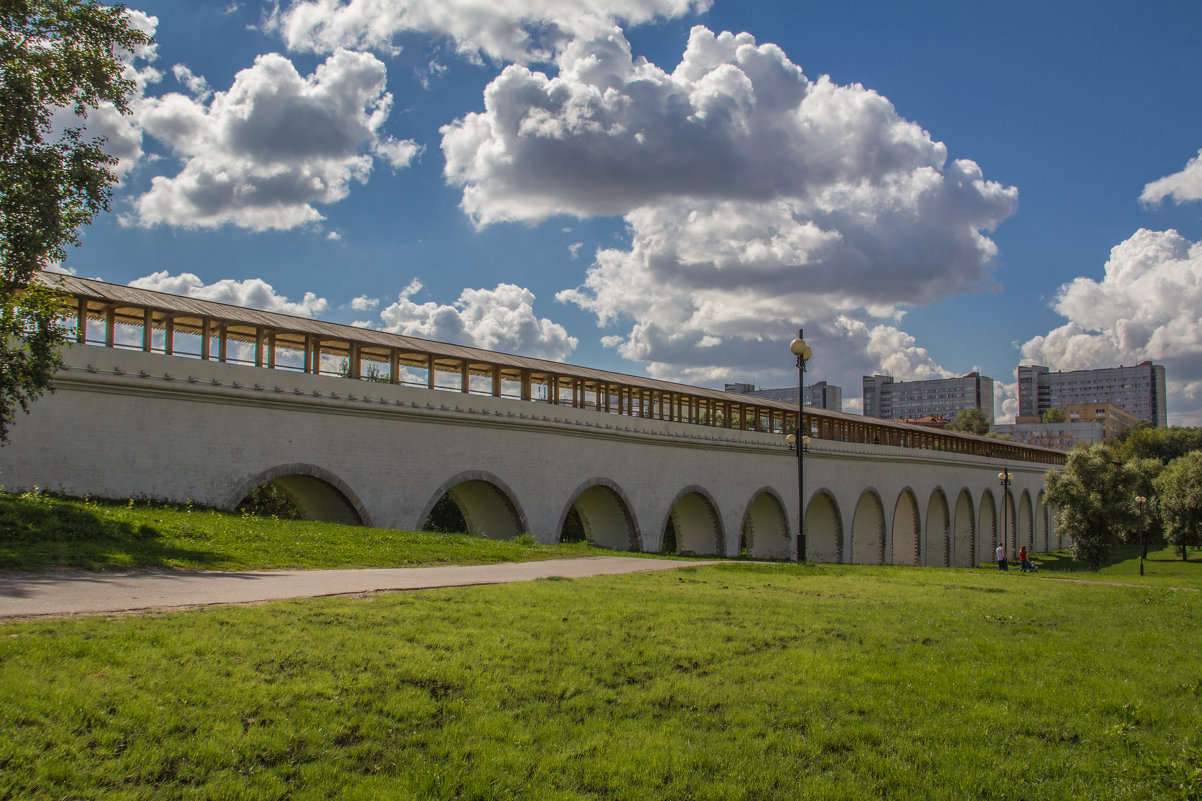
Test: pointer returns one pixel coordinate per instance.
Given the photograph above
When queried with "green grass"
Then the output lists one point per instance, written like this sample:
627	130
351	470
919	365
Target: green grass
1163	566
40	531
730	682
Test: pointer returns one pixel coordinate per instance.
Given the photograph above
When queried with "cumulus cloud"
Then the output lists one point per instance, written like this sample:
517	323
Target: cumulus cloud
364	303
500	319
1181	186
1148	305
262	154
756	198
505	30
254	293
121	132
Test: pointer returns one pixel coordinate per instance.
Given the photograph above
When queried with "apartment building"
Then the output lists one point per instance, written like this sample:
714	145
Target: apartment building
820	395
941	397
1139	390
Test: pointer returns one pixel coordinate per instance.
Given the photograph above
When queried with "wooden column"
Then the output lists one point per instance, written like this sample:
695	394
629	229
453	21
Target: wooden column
271	349
110	327
496	380
147	330
394	366
465	378
81	323
221	343
169	334
356	367
431	371
206	341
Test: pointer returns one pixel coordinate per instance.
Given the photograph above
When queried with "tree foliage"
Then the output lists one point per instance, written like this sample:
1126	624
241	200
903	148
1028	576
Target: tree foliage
1054	415
55	55
1179	488
1095	500
970	420
1164	444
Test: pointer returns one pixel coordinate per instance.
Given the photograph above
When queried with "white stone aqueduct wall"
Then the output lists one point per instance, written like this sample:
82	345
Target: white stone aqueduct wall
131	424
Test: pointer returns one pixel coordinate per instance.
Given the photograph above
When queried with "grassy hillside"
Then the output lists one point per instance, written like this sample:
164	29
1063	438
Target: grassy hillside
733	682
40	530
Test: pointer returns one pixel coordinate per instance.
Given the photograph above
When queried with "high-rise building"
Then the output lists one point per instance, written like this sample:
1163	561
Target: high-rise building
941	397
1139	390
820	395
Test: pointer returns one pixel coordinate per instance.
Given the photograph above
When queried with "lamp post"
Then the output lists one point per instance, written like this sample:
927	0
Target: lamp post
1139	516
803	352
1004	478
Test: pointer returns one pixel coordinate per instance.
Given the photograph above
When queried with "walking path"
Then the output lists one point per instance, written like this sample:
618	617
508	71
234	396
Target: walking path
25	594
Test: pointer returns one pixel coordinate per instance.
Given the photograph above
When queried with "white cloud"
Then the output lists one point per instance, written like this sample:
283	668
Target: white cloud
500	319
262	154
253	293
507	30
1181	186
1148	305
196	84
364	303
121	132
756	199
574	249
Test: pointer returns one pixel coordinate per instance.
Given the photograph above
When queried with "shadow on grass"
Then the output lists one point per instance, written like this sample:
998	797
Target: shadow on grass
39	531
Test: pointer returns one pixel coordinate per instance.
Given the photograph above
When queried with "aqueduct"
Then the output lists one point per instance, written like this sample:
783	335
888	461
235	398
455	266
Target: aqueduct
185	399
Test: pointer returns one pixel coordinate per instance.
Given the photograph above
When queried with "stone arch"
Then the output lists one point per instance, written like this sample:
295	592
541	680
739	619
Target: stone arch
695	519
487	504
824	528
868	530
938	532
964	538
605	514
988	539
1026	521
766	527
905	529
1010	524
1043	542
316	492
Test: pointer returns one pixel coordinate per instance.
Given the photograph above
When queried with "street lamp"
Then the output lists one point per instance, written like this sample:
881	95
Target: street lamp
1139	516
1004	477
803	352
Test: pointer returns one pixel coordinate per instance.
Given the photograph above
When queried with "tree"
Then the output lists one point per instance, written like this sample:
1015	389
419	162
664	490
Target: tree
1180	490
1094	495
1165	444
970	420
1054	415
55	55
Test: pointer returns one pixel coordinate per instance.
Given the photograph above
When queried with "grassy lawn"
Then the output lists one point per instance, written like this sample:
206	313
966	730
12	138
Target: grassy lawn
731	682
1163	566
40	531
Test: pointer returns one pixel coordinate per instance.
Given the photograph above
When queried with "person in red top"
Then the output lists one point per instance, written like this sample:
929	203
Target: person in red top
1024	560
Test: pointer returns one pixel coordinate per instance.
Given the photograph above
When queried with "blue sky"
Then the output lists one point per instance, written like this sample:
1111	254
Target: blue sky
673	187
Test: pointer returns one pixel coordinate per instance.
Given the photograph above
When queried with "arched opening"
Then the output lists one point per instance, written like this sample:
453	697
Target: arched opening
868	531
484	508
824	529
1010	519
905	530
300	492
765	533
988	528
938	536
600	515
1043	542
1026	522
963	542
694	525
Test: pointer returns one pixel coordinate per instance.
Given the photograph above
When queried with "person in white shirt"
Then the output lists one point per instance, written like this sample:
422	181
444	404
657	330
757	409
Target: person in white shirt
1000	557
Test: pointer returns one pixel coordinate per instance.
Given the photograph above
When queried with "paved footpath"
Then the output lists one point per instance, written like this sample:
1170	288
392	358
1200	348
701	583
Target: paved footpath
27	594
